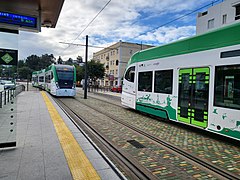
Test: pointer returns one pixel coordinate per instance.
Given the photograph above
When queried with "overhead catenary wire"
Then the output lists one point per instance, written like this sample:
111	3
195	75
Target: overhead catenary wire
88	24
169	22
180	17
82	45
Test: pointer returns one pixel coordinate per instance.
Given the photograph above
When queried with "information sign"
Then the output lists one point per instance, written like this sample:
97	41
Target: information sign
8	57
19	20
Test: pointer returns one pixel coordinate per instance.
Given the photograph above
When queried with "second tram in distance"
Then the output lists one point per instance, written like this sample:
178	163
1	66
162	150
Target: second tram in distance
195	81
58	80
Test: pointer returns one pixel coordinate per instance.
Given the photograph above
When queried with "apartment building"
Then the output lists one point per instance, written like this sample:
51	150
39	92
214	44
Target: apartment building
115	59
225	13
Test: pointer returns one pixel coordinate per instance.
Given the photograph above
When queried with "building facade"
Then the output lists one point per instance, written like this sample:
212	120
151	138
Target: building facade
115	59
225	13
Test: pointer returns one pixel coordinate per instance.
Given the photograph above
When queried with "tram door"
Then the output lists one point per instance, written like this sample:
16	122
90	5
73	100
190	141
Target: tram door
193	96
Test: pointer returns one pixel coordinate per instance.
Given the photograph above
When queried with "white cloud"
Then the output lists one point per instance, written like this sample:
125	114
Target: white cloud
168	34
120	20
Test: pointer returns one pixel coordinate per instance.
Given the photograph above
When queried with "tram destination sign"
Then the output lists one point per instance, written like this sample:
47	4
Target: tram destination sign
18	20
8	56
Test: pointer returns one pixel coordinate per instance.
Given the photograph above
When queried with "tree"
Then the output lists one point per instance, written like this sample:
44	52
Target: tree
69	61
59	61
95	71
46	60
37	63
24	72
33	62
80	72
21	63
79	59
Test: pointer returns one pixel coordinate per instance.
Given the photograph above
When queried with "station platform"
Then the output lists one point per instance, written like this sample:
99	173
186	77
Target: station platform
50	146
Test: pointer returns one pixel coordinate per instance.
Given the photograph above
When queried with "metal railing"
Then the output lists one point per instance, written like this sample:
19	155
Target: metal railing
7	95
93	88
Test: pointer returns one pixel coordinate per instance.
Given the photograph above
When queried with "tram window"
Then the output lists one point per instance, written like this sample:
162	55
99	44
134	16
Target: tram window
227	87
163	81
129	76
41	79
51	77
145	81
47	79
228	54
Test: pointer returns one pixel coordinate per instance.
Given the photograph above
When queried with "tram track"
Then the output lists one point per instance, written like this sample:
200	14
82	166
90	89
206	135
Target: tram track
220	172
203	163
130	166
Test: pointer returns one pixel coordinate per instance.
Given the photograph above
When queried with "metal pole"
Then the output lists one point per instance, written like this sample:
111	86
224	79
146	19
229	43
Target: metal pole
5	97
0	99
8	96
119	63
27	81
86	76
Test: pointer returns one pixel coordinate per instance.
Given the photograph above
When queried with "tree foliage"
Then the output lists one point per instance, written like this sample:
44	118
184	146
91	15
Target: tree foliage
34	63
25	72
69	61
94	68
59	61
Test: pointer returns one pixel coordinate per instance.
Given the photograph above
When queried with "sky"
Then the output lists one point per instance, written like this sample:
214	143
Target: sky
136	21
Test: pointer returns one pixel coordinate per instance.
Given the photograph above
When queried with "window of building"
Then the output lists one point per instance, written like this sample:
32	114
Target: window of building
227	86
145	81
163	81
130	74
237	12
204	13
224	19
116	62
210	23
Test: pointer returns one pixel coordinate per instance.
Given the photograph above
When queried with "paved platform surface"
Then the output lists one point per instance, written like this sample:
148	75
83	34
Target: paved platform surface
39	154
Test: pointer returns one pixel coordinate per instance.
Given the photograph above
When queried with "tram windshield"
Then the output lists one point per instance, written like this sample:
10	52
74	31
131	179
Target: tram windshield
65	75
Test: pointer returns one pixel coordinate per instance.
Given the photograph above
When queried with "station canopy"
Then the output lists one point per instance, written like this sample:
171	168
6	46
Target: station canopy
29	15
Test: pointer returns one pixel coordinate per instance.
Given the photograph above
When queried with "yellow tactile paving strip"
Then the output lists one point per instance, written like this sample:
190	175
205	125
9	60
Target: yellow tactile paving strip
78	163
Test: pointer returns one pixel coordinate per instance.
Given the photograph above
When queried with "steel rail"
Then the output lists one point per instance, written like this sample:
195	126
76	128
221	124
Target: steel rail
131	167
215	169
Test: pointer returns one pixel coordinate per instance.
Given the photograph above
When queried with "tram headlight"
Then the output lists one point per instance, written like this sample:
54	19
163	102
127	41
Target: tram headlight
57	85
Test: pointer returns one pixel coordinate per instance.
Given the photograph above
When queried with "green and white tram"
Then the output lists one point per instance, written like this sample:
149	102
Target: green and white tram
35	79
195	81
58	80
